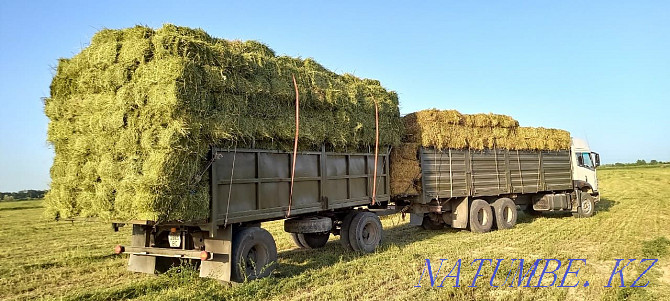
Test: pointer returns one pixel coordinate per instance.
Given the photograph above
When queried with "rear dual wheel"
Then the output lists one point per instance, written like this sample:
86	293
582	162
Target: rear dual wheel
361	231
481	216
505	213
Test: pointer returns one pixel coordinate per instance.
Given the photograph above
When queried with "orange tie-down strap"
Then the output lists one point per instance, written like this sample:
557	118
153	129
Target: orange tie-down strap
374	176
295	143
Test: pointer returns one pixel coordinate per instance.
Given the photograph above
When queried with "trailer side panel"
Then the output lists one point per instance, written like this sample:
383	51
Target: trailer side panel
460	173
258	187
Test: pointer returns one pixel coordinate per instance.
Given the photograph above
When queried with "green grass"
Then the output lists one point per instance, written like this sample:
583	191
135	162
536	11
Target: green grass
42	259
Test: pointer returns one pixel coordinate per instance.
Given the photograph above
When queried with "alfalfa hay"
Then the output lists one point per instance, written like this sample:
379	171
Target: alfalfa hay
133	116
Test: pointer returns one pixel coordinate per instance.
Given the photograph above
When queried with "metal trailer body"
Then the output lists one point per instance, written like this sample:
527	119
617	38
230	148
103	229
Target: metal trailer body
258	188
459	173
249	186
451	179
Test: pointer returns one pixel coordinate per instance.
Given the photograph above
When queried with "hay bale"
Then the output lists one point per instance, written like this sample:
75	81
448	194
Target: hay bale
133	116
449	129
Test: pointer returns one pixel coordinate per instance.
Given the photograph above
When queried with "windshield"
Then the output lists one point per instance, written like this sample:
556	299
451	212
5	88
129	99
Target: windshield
587	160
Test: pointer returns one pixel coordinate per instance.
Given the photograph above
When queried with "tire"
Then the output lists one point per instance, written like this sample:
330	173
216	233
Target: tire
481	216
254	254
296	240
365	232
429	224
315	224
505	213
586	207
313	240
344	230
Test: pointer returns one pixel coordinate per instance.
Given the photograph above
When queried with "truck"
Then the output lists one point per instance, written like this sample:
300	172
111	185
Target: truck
319	193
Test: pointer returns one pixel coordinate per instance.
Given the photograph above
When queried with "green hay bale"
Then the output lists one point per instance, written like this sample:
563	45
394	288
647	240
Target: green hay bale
137	111
405	170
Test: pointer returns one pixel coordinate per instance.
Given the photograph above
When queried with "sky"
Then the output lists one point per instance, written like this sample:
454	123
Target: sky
599	69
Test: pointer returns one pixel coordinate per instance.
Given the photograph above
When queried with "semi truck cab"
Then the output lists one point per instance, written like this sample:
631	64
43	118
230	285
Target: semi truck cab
584	164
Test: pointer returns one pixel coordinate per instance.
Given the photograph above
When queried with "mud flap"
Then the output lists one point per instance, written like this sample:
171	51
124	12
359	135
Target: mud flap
219	267
139	263
142	264
415	219
459	215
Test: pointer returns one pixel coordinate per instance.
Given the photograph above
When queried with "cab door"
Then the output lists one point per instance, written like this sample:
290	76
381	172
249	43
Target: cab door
585	168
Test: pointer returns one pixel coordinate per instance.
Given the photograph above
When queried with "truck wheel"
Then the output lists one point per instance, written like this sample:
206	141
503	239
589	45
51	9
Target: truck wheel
505	213
344	230
365	232
296	240
313	240
481	216
586	208
254	254
429	224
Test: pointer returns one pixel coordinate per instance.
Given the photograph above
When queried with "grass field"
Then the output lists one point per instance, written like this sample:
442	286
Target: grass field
74	261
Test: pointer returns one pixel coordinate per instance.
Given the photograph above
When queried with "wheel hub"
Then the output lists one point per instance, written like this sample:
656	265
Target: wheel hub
586	206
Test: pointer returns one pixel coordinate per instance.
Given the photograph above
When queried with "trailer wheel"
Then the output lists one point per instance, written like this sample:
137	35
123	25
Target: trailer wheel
586	207
481	216
429	224
344	230
254	254
296	240
505	213
313	240
365	232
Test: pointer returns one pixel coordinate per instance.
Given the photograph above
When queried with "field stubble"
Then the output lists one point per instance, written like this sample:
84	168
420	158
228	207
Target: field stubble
62	260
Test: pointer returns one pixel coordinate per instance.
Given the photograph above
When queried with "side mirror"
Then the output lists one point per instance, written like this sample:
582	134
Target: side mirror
597	158
580	159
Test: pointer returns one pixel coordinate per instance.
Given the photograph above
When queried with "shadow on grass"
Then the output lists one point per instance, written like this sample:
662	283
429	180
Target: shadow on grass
297	261
605	205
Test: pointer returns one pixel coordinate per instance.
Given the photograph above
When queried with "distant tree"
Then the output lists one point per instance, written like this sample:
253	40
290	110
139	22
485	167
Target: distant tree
641	162
7	198
653	162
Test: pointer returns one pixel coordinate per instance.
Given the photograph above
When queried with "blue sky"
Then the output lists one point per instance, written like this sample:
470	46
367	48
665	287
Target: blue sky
600	69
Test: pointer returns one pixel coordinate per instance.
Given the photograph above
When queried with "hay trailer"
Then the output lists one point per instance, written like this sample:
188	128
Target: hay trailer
482	189
250	186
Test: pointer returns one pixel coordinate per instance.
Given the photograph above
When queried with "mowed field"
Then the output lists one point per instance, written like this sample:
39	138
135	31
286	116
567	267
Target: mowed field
42	259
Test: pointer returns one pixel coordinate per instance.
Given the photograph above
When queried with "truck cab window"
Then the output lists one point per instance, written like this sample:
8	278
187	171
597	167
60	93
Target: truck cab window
586	158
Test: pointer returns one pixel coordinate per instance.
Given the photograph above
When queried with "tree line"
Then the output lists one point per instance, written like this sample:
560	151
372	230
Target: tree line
637	163
22	195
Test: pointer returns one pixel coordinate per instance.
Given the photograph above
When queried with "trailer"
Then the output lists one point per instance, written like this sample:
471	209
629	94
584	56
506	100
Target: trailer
250	186
345	193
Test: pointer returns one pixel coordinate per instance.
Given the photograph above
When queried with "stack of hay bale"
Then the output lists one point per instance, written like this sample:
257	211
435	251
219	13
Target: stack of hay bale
133	116
449	129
